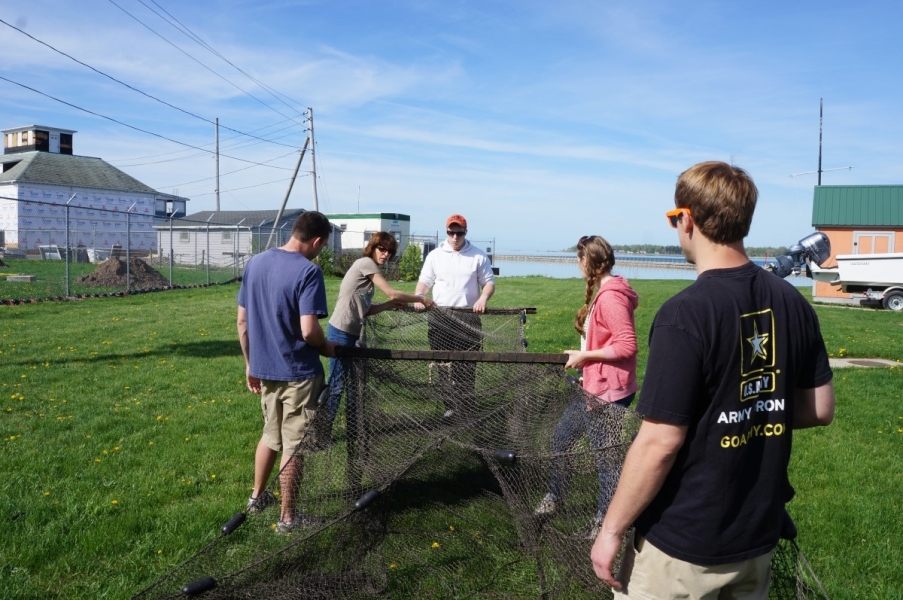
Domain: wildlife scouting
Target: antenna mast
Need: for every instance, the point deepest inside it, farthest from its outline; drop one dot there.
(821, 106)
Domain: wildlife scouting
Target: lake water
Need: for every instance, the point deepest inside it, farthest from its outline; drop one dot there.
(628, 266)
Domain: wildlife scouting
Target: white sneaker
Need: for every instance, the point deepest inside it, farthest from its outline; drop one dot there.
(591, 531)
(258, 504)
(301, 521)
(548, 506)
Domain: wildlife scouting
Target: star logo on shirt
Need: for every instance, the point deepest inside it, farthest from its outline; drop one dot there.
(758, 341)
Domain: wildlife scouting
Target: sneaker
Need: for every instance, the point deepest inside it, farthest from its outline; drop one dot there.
(264, 500)
(301, 521)
(591, 531)
(548, 506)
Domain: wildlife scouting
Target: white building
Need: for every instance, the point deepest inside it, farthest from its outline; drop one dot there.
(357, 229)
(43, 185)
(228, 237)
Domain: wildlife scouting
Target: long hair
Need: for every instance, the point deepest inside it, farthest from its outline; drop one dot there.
(600, 260)
(381, 238)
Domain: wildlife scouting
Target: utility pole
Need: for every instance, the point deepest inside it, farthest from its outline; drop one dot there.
(217, 164)
(288, 192)
(313, 160)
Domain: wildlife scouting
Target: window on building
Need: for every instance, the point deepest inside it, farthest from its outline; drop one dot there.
(41, 140)
(227, 236)
(65, 143)
(184, 236)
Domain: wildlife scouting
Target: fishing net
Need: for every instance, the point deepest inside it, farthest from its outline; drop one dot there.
(461, 466)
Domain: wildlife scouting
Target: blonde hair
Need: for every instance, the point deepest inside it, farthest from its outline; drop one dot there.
(721, 198)
(600, 260)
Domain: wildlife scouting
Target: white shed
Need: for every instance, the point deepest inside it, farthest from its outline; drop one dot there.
(357, 228)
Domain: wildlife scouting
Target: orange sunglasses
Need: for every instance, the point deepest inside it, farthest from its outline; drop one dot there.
(674, 215)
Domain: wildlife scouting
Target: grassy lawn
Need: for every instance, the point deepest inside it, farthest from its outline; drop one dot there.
(50, 277)
(127, 436)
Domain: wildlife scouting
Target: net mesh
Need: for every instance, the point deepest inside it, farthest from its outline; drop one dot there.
(461, 466)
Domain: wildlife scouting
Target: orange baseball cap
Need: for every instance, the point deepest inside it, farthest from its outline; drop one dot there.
(456, 220)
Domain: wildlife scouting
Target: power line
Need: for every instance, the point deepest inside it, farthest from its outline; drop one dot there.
(243, 188)
(118, 122)
(197, 39)
(224, 174)
(125, 162)
(134, 89)
(236, 86)
(128, 160)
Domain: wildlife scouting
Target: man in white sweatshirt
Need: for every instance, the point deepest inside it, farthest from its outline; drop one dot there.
(460, 276)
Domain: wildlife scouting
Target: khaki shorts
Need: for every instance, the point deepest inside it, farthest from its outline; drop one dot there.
(647, 572)
(288, 409)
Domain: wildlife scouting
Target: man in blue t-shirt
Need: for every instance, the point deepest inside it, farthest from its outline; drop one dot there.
(281, 300)
(736, 363)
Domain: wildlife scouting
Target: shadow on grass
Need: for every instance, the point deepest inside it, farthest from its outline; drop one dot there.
(460, 483)
(204, 349)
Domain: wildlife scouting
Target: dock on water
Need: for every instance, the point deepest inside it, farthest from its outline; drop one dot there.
(622, 261)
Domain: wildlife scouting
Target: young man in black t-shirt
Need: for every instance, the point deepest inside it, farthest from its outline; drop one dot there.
(736, 363)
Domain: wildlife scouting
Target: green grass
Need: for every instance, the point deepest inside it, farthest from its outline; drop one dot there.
(127, 436)
(50, 278)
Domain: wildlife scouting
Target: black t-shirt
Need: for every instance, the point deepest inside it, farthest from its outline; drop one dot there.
(725, 356)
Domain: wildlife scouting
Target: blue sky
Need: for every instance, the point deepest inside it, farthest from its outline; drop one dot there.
(539, 121)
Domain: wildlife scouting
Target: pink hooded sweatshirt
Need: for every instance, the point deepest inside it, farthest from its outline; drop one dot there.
(611, 325)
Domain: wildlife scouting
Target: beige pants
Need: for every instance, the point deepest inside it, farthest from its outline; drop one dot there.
(649, 573)
(288, 407)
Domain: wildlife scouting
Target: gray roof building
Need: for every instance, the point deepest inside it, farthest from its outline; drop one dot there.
(247, 218)
(46, 168)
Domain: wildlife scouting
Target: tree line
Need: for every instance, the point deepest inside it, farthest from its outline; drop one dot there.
(656, 249)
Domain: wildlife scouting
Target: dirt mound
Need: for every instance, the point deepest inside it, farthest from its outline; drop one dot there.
(111, 273)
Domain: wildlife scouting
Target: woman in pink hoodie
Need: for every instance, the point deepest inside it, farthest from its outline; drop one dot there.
(607, 360)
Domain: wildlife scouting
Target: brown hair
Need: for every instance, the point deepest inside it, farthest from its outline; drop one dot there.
(721, 199)
(311, 224)
(381, 238)
(600, 260)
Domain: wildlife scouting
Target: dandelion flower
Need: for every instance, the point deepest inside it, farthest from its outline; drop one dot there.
(114, 502)
(451, 527)
(46, 493)
(393, 566)
(435, 544)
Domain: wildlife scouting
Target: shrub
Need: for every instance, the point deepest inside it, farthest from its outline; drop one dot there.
(325, 261)
(410, 264)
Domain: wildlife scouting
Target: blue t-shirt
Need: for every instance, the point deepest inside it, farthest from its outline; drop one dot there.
(279, 287)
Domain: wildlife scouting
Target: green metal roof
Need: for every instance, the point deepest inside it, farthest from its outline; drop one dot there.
(858, 205)
(393, 216)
